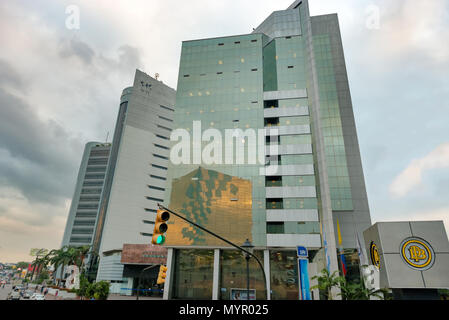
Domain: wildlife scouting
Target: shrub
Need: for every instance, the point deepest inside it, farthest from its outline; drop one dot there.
(84, 283)
(101, 290)
(88, 290)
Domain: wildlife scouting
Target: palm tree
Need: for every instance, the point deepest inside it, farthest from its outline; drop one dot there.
(80, 255)
(358, 291)
(45, 261)
(37, 252)
(327, 281)
(37, 265)
(70, 255)
(59, 258)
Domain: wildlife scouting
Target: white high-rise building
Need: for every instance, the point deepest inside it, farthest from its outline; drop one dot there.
(136, 174)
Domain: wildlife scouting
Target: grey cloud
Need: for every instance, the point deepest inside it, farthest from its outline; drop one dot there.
(9, 76)
(129, 59)
(78, 48)
(38, 158)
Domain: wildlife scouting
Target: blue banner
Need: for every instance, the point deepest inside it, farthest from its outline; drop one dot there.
(304, 279)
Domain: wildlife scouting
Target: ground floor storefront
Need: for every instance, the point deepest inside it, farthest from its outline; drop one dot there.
(223, 274)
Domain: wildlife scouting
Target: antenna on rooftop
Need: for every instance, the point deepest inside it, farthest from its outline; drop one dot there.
(107, 136)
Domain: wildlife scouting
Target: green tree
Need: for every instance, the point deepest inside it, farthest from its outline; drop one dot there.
(22, 265)
(66, 256)
(84, 284)
(358, 291)
(59, 258)
(80, 255)
(326, 282)
(90, 291)
(43, 276)
(101, 290)
(38, 253)
(44, 261)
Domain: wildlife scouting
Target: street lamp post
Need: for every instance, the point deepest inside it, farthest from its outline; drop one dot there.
(248, 246)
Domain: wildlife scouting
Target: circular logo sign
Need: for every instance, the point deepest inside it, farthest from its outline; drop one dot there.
(417, 253)
(374, 253)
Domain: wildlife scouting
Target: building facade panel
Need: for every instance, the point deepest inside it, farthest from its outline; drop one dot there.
(292, 215)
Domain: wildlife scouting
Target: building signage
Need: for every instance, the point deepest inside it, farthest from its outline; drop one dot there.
(414, 254)
(302, 252)
(417, 253)
(374, 254)
(143, 254)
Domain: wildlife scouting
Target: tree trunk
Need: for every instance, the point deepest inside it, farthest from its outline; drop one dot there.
(39, 269)
(32, 273)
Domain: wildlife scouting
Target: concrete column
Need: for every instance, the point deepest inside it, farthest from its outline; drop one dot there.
(266, 266)
(169, 277)
(313, 271)
(216, 275)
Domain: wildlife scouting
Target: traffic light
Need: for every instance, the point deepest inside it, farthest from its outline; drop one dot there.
(162, 274)
(160, 227)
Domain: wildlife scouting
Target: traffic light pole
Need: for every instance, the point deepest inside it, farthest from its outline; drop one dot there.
(222, 239)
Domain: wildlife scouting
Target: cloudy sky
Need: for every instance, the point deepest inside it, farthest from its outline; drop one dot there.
(60, 88)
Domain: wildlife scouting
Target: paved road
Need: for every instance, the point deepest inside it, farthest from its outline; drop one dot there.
(4, 291)
(8, 288)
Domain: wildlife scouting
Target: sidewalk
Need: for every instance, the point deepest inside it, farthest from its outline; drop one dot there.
(52, 297)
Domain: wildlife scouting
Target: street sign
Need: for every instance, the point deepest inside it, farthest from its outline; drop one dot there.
(302, 252)
(303, 261)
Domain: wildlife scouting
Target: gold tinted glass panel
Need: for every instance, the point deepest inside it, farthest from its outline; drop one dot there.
(218, 202)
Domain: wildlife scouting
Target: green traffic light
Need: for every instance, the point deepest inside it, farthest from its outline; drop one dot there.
(160, 239)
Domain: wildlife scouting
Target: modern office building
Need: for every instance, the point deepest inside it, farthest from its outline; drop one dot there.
(83, 212)
(136, 174)
(281, 95)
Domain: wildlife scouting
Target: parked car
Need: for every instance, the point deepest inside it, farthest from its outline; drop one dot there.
(26, 294)
(37, 296)
(14, 295)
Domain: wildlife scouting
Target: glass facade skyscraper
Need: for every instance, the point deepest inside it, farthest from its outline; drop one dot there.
(281, 95)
